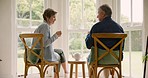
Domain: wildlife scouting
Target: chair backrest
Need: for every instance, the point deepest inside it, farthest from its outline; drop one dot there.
(34, 53)
(109, 50)
(29, 48)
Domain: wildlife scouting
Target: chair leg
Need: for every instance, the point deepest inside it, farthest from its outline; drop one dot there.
(45, 68)
(57, 70)
(95, 72)
(120, 72)
(112, 72)
(42, 72)
(25, 72)
(89, 72)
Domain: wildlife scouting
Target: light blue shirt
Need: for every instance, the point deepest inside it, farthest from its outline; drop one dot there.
(49, 53)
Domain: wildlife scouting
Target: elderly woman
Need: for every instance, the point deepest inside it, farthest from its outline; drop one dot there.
(51, 54)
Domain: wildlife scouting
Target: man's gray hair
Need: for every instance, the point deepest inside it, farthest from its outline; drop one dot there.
(106, 9)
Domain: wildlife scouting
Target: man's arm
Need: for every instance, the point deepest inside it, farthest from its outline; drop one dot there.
(89, 41)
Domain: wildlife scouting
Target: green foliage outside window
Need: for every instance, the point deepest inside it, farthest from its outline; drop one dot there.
(75, 41)
(82, 14)
(29, 12)
(136, 41)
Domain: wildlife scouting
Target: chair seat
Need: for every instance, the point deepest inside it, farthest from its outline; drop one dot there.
(108, 59)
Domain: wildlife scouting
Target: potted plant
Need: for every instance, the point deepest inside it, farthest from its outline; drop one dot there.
(145, 58)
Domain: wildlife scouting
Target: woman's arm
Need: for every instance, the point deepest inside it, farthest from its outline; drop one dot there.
(48, 40)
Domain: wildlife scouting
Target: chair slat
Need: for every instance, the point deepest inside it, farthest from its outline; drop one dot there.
(109, 35)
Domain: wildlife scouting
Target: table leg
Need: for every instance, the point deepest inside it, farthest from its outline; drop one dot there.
(83, 70)
(71, 70)
(76, 71)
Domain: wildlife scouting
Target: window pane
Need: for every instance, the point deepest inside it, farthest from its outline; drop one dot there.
(126, 64)
(37, 11)
(136, 64)
(74, 41)
(29, 12)
(75, 14)
(136, 41)
(82, 14)
(126, 47)
(89, 13)
(23, 13)
(20, 55)
(137, 12)
(77, 45)
(136, 54)
(126, 13)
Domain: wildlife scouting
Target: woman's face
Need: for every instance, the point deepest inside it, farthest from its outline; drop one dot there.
(52, 19)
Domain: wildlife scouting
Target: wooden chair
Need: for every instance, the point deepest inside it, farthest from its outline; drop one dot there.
(43, 64)
(92, 67)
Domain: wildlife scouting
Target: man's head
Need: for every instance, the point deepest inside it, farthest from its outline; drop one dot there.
(104, 11)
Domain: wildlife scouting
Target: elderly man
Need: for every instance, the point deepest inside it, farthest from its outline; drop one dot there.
(105, 25)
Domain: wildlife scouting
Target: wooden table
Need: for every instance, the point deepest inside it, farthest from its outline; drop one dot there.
(76, 64)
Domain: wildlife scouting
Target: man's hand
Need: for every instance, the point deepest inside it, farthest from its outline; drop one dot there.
(88, 32)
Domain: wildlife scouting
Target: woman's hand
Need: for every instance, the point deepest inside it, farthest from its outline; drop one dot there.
(59, 33)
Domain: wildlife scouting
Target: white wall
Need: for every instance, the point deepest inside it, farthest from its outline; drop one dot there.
(8, 52)
(6, 40)
(146, 25)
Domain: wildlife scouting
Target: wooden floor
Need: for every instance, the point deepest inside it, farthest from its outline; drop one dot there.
(37, 76)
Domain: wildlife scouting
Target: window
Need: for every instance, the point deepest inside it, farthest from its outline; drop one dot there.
(82, 16)
(132, 21)
(29, 13)
(29, 16)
